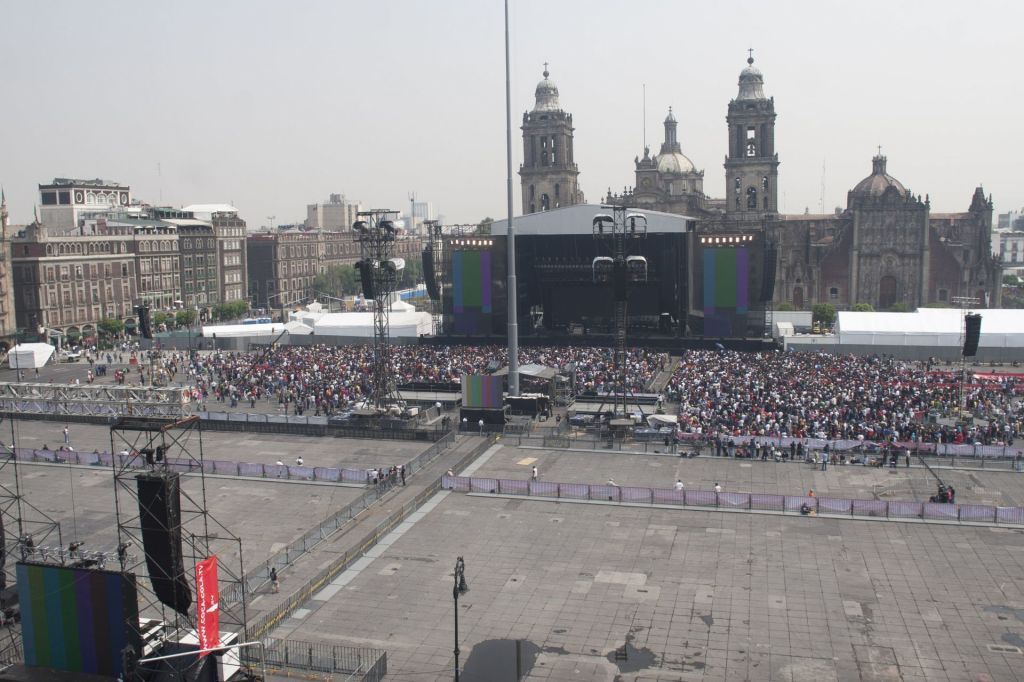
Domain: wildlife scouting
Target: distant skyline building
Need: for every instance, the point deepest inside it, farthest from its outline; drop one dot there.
(8, 326)
(338, 213)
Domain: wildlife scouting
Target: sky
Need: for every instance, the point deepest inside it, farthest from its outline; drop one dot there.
(272, 106)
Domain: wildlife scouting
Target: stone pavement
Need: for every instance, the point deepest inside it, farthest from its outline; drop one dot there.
(685, 595)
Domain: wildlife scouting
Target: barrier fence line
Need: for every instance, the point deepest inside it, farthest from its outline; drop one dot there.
(896, 509)
(301, 595)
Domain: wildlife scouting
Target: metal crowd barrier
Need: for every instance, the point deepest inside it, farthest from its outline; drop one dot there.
(834, 506)
(369, 665)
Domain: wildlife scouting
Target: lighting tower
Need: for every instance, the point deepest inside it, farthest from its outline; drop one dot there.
(376, 233)
(620, 270)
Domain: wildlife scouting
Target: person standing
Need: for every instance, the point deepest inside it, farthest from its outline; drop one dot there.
(534, 474)
(275, 584)
(718, 488)
(67, 436)
(401, 472)
(824, 460)
(679, 484)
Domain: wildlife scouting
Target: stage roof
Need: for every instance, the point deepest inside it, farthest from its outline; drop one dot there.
(578, 219)
(532, 370)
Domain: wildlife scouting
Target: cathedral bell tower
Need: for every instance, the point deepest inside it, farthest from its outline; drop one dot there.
(548, 174)
(752, 167)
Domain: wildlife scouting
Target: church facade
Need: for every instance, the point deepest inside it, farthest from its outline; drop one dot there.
(886, 248)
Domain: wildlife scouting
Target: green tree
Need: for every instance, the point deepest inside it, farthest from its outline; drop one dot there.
(898, 308)
(824, 313)
(1011, 279)
(484, 226)
(337, 280)
(159, 317)
(785, 307)
(109, 327)
(411, 275)
(937, 304)
(863, 308)
(185, 318)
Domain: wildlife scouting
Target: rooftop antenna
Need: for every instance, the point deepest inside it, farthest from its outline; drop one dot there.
(645, 117)
(412, 212)
(821, 199)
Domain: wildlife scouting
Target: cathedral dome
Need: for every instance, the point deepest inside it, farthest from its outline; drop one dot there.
(673, 162)
(751, 82)
(546, 94)
(879, 182)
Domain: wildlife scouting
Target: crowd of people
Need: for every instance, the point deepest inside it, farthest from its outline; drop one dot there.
(817, 395)
(324, 380)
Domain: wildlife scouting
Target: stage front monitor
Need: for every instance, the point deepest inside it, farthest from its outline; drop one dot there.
(726, 291)
(482, 391)
(77, 619)
(472, 304)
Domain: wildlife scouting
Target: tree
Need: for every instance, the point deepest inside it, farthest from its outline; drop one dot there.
(900, 307)
(1011, 279)
(863, 308)
(159, 317)
(936, 304)
(109, 326)
(785, 307)
(824, 313)
(185, 318)
(337, 280)
(484, 226)
(411, 275)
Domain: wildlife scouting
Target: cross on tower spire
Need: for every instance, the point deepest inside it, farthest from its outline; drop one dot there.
(545, 69)
(879, 150)
(750, 55)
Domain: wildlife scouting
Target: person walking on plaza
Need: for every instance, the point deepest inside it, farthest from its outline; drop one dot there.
(534, 474)
(718, 488)
(275, 584)
(67, 436)
(679, 484)
(824, 460)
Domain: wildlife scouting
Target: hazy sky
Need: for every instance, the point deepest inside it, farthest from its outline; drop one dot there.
(274, 105)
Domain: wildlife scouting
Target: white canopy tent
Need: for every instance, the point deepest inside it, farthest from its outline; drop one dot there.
(402, 325)
(29, 355)
(930, 327)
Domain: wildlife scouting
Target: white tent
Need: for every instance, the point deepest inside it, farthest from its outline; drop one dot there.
(407, 325)
(930, 327)
(29, 355)
(227, 331)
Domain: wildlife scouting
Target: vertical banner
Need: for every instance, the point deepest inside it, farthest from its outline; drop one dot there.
(208, 603)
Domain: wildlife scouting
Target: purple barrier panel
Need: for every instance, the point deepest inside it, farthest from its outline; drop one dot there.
(106, 459)
(275, 471)
(252, 470)
(906, 510)
(794, 503)
(182, 464)
(660, 496)
(869, 508)
(91, 458)
(355, 476)
(767, 502)
(327, 474)
(938, 510)
(834, 505)
(1010, 515)
(46, 456)
(539, 488)
(513, 487)
(574, 491)
(734, 500)
(25, 455)
(635, 495)
(701, 498)
(209, 466)
(222, 466)
(301, 473)
(457, 483)
(483, 485)
(605, 492)
(977, 512)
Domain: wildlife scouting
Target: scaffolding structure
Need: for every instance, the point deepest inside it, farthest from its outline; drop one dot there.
(620, 270)
(376, 234)
(143, 448)
(94, 400)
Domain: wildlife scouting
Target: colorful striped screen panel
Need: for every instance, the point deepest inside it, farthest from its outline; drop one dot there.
(76, 619)
(726, 291)
(483, 391)
(471, 291)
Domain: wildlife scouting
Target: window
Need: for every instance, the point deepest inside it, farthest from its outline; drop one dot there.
(736, 185)
(833, 293)
(557, 195)
(545, 202)
(751, 141)
(943, 295)
(752, 198)
(49, 198)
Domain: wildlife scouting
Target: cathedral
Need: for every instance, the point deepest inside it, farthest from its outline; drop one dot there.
(885, 249)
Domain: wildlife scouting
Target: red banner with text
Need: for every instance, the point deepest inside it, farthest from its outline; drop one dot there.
(208, 603)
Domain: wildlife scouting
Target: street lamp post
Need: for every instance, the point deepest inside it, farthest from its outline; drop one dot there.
(460, 588)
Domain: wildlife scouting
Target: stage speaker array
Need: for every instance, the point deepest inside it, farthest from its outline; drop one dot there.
(365, 269)
(144, 324)
(428, 274)
(973, 334)
(160, 519)
(771, 254)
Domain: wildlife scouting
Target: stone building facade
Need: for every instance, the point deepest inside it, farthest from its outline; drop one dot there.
(549, 175)
(886, 248)
(8, 325)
